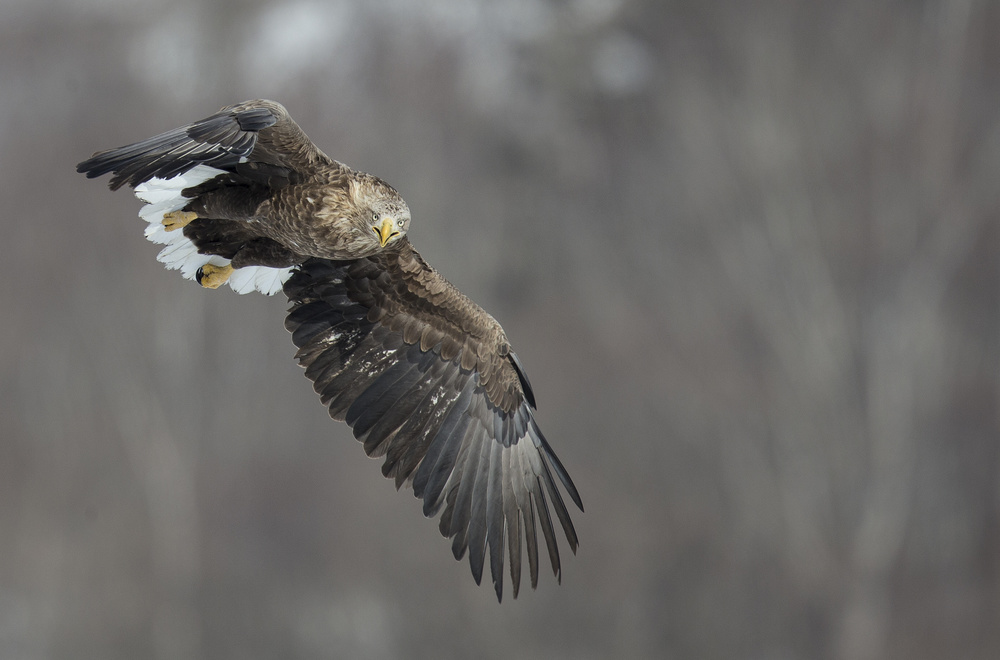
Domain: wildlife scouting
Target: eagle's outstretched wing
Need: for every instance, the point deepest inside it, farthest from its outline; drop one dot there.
(256, 140)
(426, 378)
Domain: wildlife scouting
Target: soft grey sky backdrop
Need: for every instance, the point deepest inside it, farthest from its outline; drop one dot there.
(748, 253)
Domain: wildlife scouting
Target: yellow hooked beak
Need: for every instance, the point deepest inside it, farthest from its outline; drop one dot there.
(386, 231)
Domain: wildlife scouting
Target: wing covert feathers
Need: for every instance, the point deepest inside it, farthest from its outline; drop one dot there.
(426, 379)
(256, 140)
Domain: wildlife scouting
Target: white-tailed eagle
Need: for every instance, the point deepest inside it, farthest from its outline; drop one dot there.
(423, 375)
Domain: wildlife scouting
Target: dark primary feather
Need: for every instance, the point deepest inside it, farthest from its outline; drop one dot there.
(255, 140)
(457, 425)
(218, 141)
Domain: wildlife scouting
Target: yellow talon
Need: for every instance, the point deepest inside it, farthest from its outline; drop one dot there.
(212, 277)
(177, 219)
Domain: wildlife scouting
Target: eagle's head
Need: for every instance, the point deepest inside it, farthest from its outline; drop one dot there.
(381, 215)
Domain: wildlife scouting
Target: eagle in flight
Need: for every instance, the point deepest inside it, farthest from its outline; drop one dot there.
(423, 375)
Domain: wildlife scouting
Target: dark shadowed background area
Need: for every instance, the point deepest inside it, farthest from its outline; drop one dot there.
(748, 254)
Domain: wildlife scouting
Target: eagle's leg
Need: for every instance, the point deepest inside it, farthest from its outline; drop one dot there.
(174, 220)
(211, 276)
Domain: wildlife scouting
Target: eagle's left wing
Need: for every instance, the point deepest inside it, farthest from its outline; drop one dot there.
(427, 379)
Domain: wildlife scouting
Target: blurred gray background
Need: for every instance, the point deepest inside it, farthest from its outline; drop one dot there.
(748, 253)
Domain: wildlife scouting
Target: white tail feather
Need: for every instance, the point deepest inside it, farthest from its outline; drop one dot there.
(179, 253)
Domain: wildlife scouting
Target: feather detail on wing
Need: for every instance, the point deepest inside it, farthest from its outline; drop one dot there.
(256, 140)
(451, 414)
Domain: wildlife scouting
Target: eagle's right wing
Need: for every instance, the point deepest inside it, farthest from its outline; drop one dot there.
(255, 140)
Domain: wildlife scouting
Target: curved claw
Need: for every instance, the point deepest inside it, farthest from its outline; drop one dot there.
(211, 276)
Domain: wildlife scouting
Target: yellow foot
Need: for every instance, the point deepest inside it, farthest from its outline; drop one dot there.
(177, 219)
(212, 277)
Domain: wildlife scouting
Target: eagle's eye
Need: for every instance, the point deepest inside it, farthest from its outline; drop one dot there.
(374, 216)
(399, 222)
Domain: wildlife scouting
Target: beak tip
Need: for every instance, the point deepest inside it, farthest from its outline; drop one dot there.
(385, 231)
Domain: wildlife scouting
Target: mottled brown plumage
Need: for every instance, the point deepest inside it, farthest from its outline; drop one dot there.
(423, 375)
